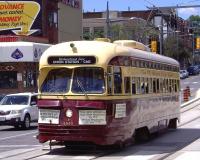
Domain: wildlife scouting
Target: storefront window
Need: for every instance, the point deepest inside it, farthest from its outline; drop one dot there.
(8, 79)
(53, 19)
(30, 79)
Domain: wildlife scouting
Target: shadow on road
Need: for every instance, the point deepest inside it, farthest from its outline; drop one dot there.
(165, 143)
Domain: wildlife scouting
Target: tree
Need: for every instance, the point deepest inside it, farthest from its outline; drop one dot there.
(92, 36)
(194, 18)
(175, 47)
(131, 30)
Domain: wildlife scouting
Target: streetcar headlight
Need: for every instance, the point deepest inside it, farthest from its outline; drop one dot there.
(69, 113)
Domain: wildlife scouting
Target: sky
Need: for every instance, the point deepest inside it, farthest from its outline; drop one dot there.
(123, 5)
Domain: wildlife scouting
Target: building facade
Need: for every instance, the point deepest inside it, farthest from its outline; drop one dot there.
(27, 29)
(143, 26)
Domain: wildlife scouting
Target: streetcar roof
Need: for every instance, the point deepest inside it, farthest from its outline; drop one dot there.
(103, 51)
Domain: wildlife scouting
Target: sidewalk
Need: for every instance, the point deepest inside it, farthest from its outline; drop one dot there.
(197, 94)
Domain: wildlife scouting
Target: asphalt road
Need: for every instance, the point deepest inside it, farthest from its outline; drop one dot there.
(22, 144)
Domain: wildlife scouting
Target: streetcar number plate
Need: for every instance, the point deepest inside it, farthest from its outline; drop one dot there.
(2, 118)
(92, 117)
(49, 116)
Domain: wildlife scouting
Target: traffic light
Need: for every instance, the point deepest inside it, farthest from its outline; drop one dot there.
(154, 46)
(197, 43)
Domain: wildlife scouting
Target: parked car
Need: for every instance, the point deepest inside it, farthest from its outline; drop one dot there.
(19, 110)
(193, 70)
(198, 65)
(184, 74)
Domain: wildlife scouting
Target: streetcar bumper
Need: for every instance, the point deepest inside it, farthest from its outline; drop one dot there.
(90, 135)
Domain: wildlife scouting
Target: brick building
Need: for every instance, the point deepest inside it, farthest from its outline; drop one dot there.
(97, 21)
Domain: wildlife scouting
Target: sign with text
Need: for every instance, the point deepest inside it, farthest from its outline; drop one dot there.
(72, 60)
(18, 17)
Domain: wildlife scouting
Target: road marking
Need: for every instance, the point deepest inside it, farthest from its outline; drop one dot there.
(13, 153)
(20, 135)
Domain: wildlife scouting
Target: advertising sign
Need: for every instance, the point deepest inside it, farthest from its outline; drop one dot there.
(20, 17)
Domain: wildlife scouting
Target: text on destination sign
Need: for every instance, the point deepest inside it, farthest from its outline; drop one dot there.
(72, 60)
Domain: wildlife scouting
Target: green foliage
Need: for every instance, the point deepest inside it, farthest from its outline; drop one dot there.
(90, 36)
(176, 48)
(194, 18)
(138, 32)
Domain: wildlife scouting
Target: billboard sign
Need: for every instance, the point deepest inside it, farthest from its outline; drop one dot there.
(20, 17)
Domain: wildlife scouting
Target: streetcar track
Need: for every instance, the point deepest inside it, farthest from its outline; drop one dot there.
(20, 135)
(9, 156)
(110, 152)
(177, 150)
(107, 153)
(185, 144)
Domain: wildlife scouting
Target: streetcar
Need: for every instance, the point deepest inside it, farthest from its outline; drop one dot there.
(105, 93)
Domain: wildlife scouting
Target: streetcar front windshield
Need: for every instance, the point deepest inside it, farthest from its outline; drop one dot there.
(88, 80)
(57, 81)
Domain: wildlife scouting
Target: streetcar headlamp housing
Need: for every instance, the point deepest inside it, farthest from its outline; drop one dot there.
(69, 113)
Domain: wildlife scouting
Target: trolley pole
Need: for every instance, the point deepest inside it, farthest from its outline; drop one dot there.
(107, 21)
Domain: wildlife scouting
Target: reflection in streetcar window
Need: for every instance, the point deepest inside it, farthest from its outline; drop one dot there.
(57, 81)
(88, 80)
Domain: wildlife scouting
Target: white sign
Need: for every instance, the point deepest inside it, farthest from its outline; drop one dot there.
(92, 117)
(19, 77)
(21, 51)
(120, 110)
(49, 116)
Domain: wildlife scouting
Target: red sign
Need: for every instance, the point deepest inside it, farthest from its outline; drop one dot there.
(8, 38)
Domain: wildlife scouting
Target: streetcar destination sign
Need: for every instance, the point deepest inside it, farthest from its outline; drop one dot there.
(72, 60)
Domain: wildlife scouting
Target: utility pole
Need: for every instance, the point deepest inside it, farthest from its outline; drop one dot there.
(161, 15)
(161, 36)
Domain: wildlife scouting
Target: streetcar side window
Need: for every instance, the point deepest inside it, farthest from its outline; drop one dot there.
(154, 85)
(109, 80)
(146, 84)
(170, 85)
(167, 85)
(127, 86)
(133, 86)
(176, 86)
(142, 85)
(162, 85)
(117, 80)
(158, 85)
(150, 85)
(137, 80)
